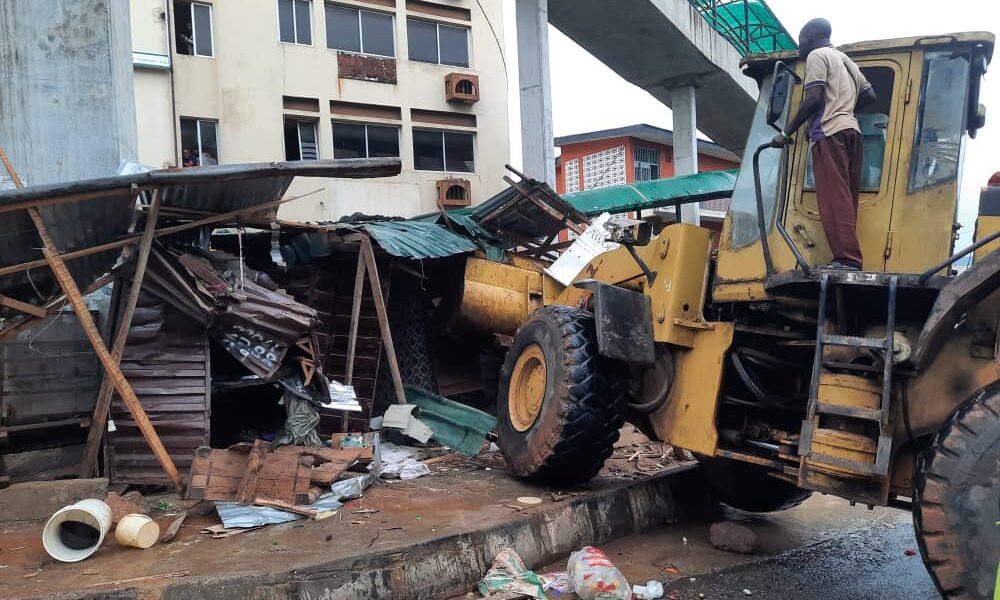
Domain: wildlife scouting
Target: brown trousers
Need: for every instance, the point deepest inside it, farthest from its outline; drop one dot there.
(837, 163)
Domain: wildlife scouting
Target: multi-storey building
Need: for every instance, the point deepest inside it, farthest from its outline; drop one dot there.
(230, 81)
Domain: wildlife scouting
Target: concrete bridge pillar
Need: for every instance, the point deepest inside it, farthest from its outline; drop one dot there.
(538, 152)
(686, 142)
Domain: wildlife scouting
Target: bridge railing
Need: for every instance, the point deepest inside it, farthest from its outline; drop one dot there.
(749, 25)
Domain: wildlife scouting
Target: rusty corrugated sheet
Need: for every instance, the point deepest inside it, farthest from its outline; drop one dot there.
(48, 373)
(167, 362)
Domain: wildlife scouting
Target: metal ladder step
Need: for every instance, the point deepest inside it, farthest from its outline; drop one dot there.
(855, 341)
(868, 414)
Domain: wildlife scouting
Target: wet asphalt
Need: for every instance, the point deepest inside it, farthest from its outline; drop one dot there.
(861, 565)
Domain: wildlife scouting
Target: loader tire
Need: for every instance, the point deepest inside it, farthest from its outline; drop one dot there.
(560, 406)
(749, 487)
(956, 503)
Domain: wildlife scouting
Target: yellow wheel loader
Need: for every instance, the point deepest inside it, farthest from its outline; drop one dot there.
(783, 378)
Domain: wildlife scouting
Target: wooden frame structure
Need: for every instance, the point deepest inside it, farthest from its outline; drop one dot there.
(55, 259)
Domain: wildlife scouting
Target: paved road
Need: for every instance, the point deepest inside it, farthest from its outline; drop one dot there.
(864, 564)
(824, 549)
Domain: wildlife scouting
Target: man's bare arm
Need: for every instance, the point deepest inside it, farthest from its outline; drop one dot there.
(811, 105)
(866, 98)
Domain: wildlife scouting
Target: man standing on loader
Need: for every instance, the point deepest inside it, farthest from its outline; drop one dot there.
(834, 89)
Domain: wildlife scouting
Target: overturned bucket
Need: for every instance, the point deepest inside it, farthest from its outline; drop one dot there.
(76, 531)
(137, 531)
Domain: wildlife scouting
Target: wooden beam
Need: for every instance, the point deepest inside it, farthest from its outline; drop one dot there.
(352, 336)
(88, 466)
(247, 491)
(30, 309)
(122, 386)
(162, 232)
(383, 317)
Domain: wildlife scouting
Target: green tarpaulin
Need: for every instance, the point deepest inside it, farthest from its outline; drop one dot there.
(645, 195)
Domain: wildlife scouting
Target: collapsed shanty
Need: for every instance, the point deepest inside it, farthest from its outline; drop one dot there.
(243, 327)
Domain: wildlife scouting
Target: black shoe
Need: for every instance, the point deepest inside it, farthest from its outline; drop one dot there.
(839, 266)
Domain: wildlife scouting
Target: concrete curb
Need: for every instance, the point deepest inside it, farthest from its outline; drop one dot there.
(442, 567)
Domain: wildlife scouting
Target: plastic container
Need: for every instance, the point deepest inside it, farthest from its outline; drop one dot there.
(137, 531)
(76, 531)
(653, 590)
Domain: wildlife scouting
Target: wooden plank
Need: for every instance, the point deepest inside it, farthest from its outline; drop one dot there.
(88, 466)
(352, 337)
(31, 309)
(217, 475)
(248, 486)
(318, 515)
(383, 317)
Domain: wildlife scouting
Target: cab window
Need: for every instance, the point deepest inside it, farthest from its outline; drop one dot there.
(874, 123)
(941, 120)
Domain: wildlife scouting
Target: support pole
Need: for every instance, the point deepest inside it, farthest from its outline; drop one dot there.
(352, 338)
(383, 317)
(538, 151)
(103, 406)
(686, 143)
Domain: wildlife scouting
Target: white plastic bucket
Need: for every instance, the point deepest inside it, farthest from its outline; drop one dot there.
(137, 531)
(76, 531)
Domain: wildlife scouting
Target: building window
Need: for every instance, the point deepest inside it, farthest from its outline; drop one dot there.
(572, 172)
(295, 21)
(647, 163)
(438, 43)
(193, 28)
(362, 140)
(199, 142)
(300, 139)
(443, 151)
(604, 168)
(360, 31)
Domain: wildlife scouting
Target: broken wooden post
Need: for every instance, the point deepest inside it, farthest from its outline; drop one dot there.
(111, 367)
(98, 422)
(352, 339)
(383, 318)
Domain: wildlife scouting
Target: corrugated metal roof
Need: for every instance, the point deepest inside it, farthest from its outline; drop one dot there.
(528, 209)
(646, 195)
(106, 215)
(416, 239)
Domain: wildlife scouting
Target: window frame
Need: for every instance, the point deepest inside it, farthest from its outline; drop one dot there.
(194, 31)
(444, 150)
(295, 23)
(361, 30)
(638, 162)
(198, 122)
(299, 121)
(399, 136)
(437, 39)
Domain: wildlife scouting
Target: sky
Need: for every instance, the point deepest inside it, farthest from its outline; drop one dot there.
(595, 101)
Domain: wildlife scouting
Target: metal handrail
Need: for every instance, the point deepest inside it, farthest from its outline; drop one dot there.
(951, 259)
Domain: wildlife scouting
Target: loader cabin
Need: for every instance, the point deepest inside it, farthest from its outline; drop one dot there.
(913, 136)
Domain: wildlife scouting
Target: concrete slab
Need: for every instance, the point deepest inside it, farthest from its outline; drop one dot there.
(432, 537)
(660, 45)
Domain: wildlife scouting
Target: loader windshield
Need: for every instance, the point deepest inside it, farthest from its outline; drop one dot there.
(743, 210)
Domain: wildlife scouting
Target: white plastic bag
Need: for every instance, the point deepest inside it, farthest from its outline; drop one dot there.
(595, 577)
